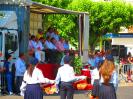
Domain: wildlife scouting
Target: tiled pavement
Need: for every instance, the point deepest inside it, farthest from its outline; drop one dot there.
(124, 92)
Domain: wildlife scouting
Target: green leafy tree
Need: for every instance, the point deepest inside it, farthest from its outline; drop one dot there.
(105, 17)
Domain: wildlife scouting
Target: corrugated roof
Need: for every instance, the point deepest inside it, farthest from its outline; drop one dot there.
(46, 9)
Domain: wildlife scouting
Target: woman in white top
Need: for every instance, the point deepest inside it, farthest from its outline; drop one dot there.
(33, 77)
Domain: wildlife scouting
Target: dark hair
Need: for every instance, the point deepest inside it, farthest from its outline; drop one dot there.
(7, 56)
(21, 54)
(67, 59)
(30, 69)
(32, 36)
(48, 37)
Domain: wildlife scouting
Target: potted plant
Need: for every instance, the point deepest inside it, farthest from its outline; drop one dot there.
(77, 64)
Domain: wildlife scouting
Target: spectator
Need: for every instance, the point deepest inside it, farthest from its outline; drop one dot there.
(20, 70)
(91, 61)
(40, 34)
(98, 59)
(66, 45)
(59, 45)
(50, 33)
(31, 57)
(32, 43)
(49, 44)
(50, 51)
(56, 35)
(39, 53)
(8, 71)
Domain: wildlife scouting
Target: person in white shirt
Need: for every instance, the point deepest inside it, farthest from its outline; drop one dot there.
(33, 77)
(50, 50)
(32, 43)
(65, 78)
(39, 53)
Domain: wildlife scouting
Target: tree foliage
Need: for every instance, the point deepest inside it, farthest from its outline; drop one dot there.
(105, 17)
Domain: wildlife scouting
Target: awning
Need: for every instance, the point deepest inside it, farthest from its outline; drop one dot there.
(122, 41)
(42, 9)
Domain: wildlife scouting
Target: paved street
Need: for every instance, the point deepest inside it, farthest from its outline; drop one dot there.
(122, 93)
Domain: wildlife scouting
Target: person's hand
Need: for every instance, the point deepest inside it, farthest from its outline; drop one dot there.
(84, 77)
(52, 81)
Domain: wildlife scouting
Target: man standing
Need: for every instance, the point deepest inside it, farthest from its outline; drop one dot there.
(65, 77)
(20, 70)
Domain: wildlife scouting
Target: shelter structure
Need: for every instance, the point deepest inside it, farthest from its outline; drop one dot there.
(24, 8)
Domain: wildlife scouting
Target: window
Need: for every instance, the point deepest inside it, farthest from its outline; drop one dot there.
(11, 42)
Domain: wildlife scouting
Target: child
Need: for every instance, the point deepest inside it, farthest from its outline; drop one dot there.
(107, 87)
(8, 70)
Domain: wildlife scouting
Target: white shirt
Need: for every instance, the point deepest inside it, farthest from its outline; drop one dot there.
(94, 75)
(37, 77)
(38, 55)
(49, 45)
(66, 74)
(32, 44)
(40, 45)
(51, 35)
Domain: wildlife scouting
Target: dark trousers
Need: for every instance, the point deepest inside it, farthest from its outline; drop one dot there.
(19, 80)
(66, 90)
(9, 82)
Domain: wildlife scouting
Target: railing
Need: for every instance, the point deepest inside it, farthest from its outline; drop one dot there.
(126, 72)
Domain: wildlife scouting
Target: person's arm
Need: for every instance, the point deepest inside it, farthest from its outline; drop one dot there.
(75, 78)
(58, 77)
(37, 55)
(114, 79)
(42, 79)
(57, 81)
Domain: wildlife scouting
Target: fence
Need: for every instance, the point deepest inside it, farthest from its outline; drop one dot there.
(126, 72)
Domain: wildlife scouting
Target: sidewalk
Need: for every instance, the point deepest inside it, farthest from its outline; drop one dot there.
(123, 84)
(122, 93)
(124, 90)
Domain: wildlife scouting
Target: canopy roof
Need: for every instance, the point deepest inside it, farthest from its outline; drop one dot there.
(46, 9)
(123, 39)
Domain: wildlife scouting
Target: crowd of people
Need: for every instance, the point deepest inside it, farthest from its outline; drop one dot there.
(46, 49)
(40, 50)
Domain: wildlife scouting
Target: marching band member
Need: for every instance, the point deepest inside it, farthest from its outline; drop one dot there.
(33, 77)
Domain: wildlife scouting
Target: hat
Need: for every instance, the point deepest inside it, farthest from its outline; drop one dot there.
(67, 59)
